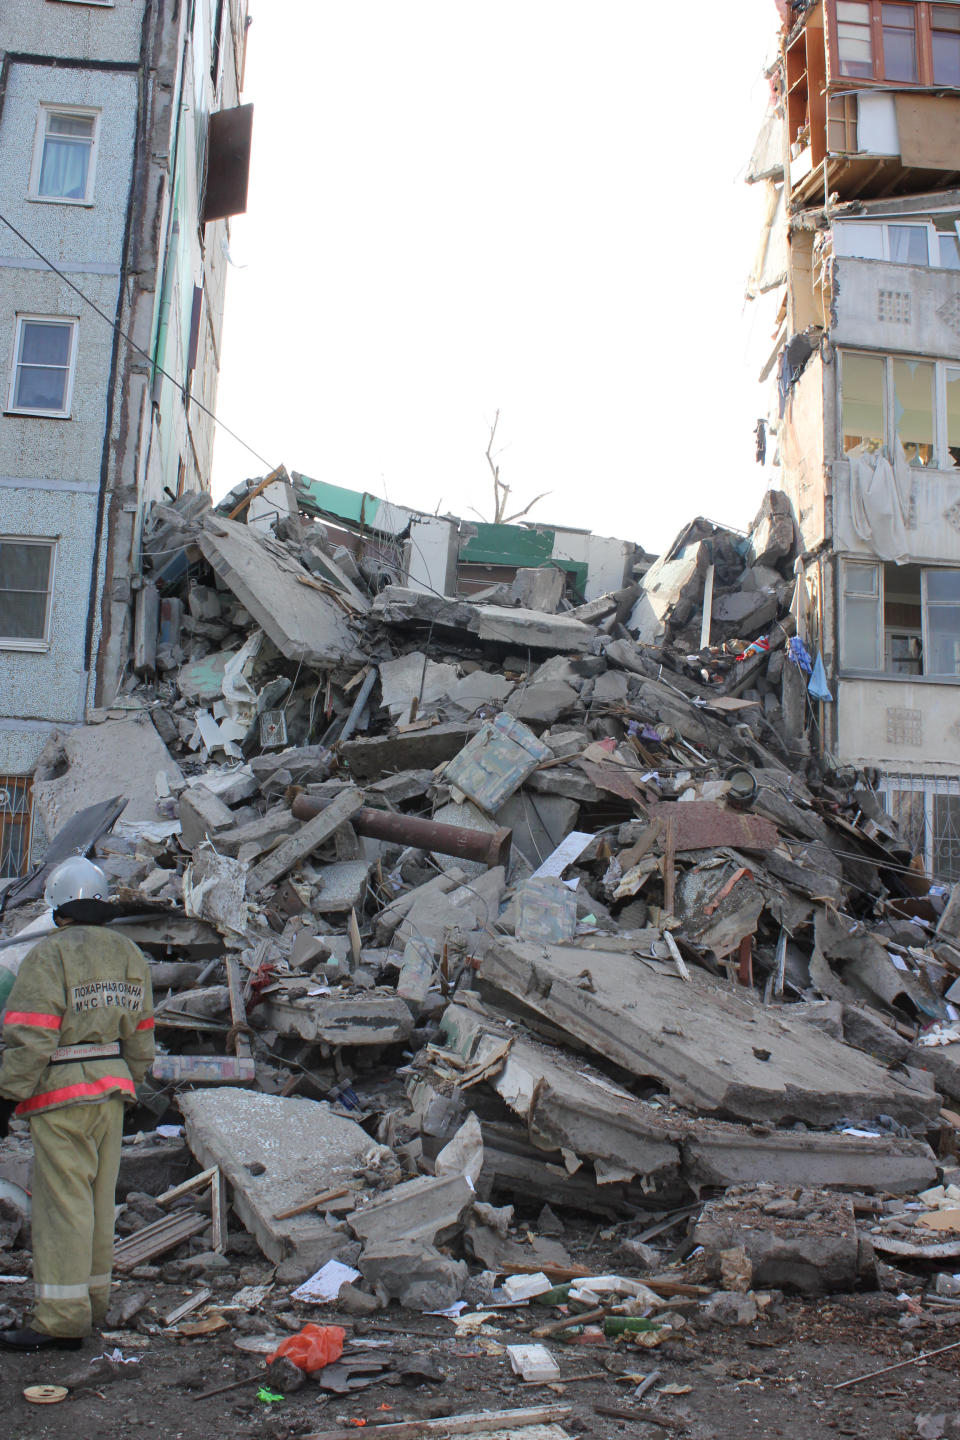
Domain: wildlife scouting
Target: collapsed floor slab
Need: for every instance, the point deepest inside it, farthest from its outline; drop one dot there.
(275, 1153)
(713, 1049)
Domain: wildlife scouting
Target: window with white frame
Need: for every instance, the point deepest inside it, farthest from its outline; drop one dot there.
(927, 811)
(26, 591)
(65, 155)
(45, 350)
(890, 398)
(900, 619)
(902, 242)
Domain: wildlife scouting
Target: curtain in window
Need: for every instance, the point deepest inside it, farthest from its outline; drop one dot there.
(63, 172)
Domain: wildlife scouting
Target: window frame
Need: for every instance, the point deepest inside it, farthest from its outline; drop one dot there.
(12, 408)
(16, 787)
(75, 112)
(883, 631)
(35, 644)
(923, 34)
(942, 460)
(886, 222)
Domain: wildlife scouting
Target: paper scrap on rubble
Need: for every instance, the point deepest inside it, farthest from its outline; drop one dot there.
(169, 1132)
(451, 1312)
(324, 1286)
(569, 850)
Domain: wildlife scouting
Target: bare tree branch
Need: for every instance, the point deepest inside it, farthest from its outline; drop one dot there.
(501, 490)
(508, 519)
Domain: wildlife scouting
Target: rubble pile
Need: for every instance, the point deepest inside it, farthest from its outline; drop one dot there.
(459, 908)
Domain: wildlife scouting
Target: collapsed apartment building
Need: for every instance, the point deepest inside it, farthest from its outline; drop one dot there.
(858, 272)
(458, 906)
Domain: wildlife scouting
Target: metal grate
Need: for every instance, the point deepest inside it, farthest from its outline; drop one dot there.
(927, 810)
(16, 813)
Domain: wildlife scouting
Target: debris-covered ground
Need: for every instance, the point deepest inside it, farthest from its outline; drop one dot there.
(515, 958)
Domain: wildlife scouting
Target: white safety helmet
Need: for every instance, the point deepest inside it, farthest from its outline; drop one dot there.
(75, 879)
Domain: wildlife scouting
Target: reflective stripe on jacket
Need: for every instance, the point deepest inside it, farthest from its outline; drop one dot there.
(86, 985)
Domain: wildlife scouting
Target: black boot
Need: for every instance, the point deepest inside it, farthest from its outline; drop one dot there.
(27, 1339)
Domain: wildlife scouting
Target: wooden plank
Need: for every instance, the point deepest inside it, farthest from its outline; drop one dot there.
(311, 834)
(312, 1203)
(194, 1303)
(669, 868)
(238, 1011)
(454, 1424)
(154, 1239)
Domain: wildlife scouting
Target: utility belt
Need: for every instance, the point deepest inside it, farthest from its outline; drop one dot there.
(72, 1054)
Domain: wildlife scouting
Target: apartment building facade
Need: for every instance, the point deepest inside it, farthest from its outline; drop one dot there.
(123, 151)
(859, 266)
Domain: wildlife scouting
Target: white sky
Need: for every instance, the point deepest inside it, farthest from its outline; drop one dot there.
(530, 205)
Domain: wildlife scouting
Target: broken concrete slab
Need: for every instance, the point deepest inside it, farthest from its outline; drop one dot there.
(715, 1152)
(275, 1153)
(544, 704)
(477, 690)
(664, 586)
(428, 747)
(413, 685)
(342, 886)
(746, 610)
(305, 840)
(712, 1048)
(539, 589)
(800, 1239)
(531, 629)
(773, 532)
(303, 622)
(93, 762)
(415, 1274)
(427, 1209)
(567, 1105)
(202, 816)
(213, 890)
(467, 907)
(520, 628)
(539, 823)
(369, 1017)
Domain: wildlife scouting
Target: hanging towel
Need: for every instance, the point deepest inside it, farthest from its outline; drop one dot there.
(818, 686)
(799, 655)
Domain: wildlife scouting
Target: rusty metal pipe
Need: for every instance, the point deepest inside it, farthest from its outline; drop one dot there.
(487, 848)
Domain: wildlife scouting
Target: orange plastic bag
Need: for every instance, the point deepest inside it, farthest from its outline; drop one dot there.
(314, 1347)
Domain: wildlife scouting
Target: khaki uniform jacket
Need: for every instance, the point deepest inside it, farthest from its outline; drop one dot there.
(86, 985)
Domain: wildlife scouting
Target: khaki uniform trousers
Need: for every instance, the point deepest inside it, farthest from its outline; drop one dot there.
(76, 1160)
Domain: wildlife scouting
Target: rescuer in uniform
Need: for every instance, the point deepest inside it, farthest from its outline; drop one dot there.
(79, 1036)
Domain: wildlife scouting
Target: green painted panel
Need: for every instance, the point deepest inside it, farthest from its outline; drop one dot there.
(508, 545)
(345, 504)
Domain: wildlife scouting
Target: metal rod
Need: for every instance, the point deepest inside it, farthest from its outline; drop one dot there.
(485, 847)
(353, 719)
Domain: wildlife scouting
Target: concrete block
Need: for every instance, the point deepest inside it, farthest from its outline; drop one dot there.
(365, 1018)
(538, 823)
(543, 704)
(538, 589)
(275, 1153)
(202, 815)
(415, 1274)
(415, 679)
(302, 622)
(426, 1209)
(343, 886)
(801, 1239)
